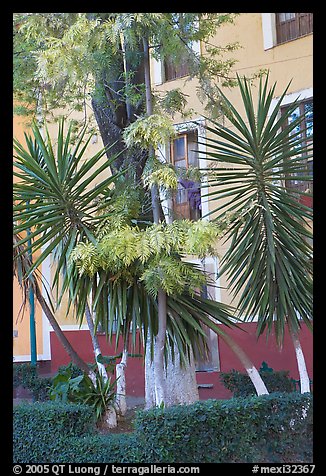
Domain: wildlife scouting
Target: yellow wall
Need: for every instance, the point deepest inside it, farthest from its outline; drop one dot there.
(291, 61)
(21, 344)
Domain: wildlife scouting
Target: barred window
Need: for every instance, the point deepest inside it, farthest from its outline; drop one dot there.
(290, 26)
(305, 108)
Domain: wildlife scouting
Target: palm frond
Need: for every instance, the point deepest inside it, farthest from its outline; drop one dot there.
(268, 263)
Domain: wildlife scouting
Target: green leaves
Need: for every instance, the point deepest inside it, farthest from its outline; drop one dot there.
(80, 389)
(149, 131)
(52, 196)
(269, 260)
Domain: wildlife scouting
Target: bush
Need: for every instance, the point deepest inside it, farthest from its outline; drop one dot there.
(241, 385)
(26, 375)
(41, 430)
(109, 448)
(268, 428)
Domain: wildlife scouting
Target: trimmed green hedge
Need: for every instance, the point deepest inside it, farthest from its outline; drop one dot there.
(42, 429)
(268, 428)
(241, 385)
(109, 448)
(271, 428)
(27, 376)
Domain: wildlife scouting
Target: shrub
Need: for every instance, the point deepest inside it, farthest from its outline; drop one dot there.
(109, 448)
(268, 428)
(41, 429)
(26, 375)
(241, 385)
(80, 389)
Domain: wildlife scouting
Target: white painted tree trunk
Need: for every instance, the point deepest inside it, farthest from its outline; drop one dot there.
(150, 400)
(304, 377)
(110, 416)
(95, 343)
(121, 402)
(180, 385)
(251, 370)
(109, 419)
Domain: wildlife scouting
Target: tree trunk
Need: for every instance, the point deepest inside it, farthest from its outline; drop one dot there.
(180, 384)
(161, 295)
(150, 400)
(109, 419)
(121, 382)
(95, 343)
(182, 387)
(247, 363)
(304, 377)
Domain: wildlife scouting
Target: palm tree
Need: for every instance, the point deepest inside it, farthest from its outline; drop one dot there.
(52, 199)
(268, 263)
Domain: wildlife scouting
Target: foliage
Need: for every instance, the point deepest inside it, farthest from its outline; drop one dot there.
(149, 131)
(269, 428)
(164, 176)
(128, 266)
(273, 428)
(45, 426)
(64, 213)
(122, 245)
(51, 195)
(241, 385)
(27, 376)
(268, 262)
(80, 389)
(63, 57)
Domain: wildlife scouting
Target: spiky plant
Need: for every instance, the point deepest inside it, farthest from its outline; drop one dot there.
(268, 262)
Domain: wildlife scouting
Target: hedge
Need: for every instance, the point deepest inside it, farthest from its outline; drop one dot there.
(241, 385)
(108, 448)
(26, 375)
(270, 428)
(42, 429)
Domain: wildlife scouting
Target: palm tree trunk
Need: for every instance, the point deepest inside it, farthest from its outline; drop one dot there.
(121, 381)
(251, 370)
(109, 419)
(304, 377)
(96, 345)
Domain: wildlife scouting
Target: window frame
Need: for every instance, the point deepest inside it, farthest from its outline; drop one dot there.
(292, 29)
(307, 184)
(269, 31)
(214, 364)
(184, 209)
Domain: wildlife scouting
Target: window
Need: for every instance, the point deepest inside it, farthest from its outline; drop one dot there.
(174, 70)
(187, 198)
(305, 108)
(290, 26)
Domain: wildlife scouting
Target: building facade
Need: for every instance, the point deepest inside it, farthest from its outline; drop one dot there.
(282, 44)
